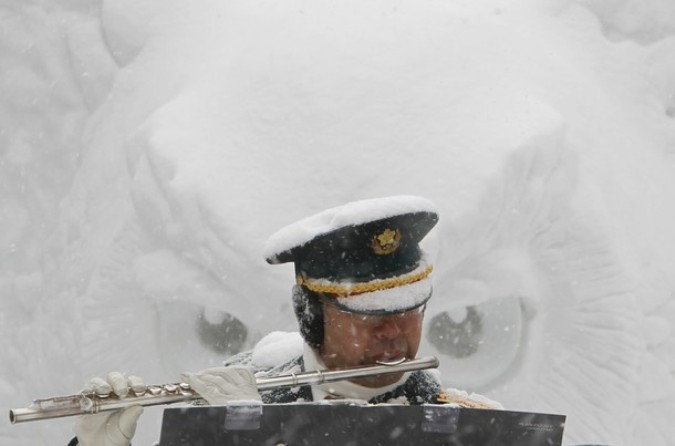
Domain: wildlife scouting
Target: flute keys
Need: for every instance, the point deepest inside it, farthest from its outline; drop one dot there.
(154, 390)
(99, 387)
(86, 404)
(137, 385)
(171, 388)
(185, 389)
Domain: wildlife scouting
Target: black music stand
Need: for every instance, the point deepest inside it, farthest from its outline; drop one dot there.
(354, 425)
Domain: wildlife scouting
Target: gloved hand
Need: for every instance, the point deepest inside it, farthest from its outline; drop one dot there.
(220, 385)
(462, 399)
(114, 428)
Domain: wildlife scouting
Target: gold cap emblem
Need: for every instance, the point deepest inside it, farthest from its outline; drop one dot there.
(386, 242)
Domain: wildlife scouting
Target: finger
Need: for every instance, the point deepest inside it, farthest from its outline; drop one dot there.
(206, 383)
(213, 380)
(246, 375)
(235, 375)
(118, 383)
(209, 386)
(136, 384)
(226, 369)
(186, 377)
(99, 386)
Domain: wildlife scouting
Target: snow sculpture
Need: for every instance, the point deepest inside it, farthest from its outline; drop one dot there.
(183, 136)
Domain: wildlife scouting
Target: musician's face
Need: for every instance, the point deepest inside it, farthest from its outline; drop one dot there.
(352, 339)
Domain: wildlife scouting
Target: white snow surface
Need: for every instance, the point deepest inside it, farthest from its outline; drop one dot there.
(148, 148)
(276, 348)
(350, 214)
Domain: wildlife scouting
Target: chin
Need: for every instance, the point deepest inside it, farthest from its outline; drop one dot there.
(378, 381)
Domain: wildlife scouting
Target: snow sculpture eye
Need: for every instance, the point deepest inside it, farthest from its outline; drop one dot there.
(221, 332)
(193, 336)
(458, 334)
(476, 344)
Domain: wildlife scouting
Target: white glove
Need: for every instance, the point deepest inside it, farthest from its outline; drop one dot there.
(462, 399)
(220, 385)
(115, 428)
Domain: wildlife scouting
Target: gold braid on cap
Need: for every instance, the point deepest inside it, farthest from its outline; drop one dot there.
(345, 289)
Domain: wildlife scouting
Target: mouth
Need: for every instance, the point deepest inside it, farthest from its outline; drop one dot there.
(396, 362)
(390, 357)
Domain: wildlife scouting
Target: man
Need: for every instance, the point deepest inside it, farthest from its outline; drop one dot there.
(362, 282)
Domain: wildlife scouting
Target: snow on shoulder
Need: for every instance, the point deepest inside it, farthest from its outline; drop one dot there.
(354, 213)
(278, 347)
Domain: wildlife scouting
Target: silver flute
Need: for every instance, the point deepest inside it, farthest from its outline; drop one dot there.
(91, 403)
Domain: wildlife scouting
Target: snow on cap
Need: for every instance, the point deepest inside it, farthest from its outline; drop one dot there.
(361, 253)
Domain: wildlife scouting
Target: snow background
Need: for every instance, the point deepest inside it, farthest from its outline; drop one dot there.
(148, 148)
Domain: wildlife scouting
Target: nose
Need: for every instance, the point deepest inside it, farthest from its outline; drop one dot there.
(388, 329)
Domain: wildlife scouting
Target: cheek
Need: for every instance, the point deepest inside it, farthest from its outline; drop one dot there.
(341, 332)
(410, 324)
(413, 332)
(357, 336)
(415, 337)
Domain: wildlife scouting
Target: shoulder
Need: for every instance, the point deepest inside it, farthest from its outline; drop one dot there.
(422, 387)
(275, 353)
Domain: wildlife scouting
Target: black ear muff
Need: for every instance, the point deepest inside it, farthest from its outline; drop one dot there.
(309, 312)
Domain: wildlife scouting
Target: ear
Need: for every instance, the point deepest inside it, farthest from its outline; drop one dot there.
(309, 312)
